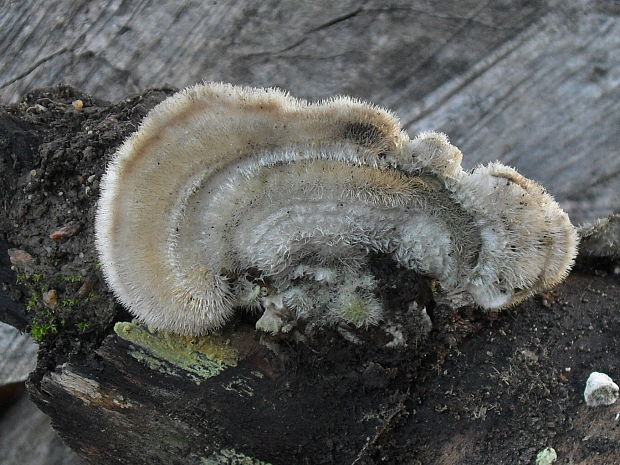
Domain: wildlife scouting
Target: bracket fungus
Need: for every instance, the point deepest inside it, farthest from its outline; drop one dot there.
(232, 196)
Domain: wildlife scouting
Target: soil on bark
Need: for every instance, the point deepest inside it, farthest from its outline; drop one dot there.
(483, 389)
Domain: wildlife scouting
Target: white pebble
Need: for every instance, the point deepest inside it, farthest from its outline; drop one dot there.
(546, 456)
(600, 390)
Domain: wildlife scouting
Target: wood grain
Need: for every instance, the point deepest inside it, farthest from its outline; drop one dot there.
(532, 83)
(19, 355)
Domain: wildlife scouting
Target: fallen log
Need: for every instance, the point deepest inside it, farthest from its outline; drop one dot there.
(432, 384)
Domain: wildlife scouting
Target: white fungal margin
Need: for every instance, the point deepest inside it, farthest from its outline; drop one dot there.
(231, 196)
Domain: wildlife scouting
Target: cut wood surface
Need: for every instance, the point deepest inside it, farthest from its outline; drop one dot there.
(26, 438)
(532, 83)
(18, 355)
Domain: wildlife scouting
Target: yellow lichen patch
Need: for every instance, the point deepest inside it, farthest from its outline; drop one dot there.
(205, 356)
(155, 363)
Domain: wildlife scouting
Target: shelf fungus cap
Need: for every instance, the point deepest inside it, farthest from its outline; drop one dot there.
(232, 196)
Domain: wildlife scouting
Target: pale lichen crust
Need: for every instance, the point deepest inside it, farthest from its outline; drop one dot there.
(202, 358)
(230, 456)
(231, 197)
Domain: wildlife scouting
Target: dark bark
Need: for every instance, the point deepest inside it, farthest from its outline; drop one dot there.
(480, 389)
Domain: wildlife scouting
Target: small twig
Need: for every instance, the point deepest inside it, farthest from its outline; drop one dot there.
(33, 67)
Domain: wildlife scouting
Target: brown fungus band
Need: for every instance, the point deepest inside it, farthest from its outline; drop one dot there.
(224, 189)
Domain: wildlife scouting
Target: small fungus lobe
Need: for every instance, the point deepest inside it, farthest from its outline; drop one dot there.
(232, 197)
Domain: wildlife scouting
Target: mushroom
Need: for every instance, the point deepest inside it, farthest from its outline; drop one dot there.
(232, 196)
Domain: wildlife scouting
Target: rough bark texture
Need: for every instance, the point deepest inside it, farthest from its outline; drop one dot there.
(501, 395)
(480, 389)
(532, 83)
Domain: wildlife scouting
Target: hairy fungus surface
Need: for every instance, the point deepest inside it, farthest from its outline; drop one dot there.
(232, 196)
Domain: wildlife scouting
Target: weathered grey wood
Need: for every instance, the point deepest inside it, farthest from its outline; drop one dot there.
(18, 355)
(369, 49)
(534, 83)
(547, 102)
(26, 438)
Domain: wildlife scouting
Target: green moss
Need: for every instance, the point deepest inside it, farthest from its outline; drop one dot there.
(231, 457)
(83, 325)
(20, 278)
(72, 278)
(203, 357)
(40, 331)
(69, 302)
(33, 300)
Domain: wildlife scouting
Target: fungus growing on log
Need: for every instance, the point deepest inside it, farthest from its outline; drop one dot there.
(232, 197)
